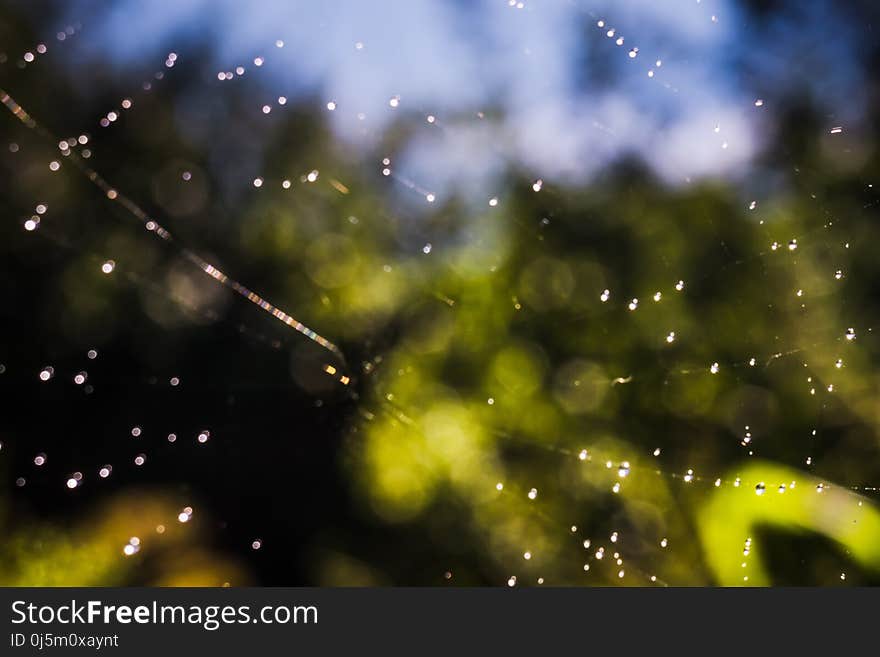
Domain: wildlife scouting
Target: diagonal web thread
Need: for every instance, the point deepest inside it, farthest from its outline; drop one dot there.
(154, 227)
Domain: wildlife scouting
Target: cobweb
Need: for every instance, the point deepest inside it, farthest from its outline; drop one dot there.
(619, 336)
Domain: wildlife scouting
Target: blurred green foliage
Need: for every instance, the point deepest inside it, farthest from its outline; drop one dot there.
(485, 367)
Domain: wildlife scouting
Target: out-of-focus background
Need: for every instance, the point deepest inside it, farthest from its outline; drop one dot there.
(439, 293)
